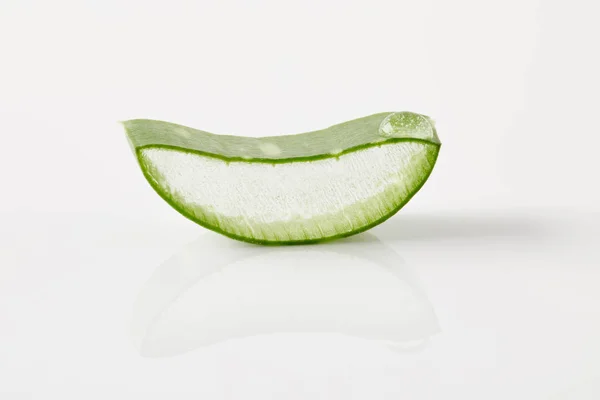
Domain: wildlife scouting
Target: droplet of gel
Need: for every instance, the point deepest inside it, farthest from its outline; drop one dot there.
(407, 124)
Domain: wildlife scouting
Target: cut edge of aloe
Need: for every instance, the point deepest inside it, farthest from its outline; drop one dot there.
(366, 132)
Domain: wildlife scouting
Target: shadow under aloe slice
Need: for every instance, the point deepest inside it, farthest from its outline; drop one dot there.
(289, 189)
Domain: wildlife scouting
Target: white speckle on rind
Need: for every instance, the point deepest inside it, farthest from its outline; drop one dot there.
(182, 132)
(270, 149)
(336, 151)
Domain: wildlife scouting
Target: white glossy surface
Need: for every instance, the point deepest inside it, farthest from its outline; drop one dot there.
(479, 305)
(489, 286)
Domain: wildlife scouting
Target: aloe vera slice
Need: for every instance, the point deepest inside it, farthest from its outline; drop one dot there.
(289, 189)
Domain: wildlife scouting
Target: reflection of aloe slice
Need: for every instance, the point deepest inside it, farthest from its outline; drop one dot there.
(215, 290)
(289, 189)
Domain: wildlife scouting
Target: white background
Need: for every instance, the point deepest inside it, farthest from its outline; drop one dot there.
(100, 297)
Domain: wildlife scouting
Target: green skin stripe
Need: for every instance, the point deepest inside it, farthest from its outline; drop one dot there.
(332, 142)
